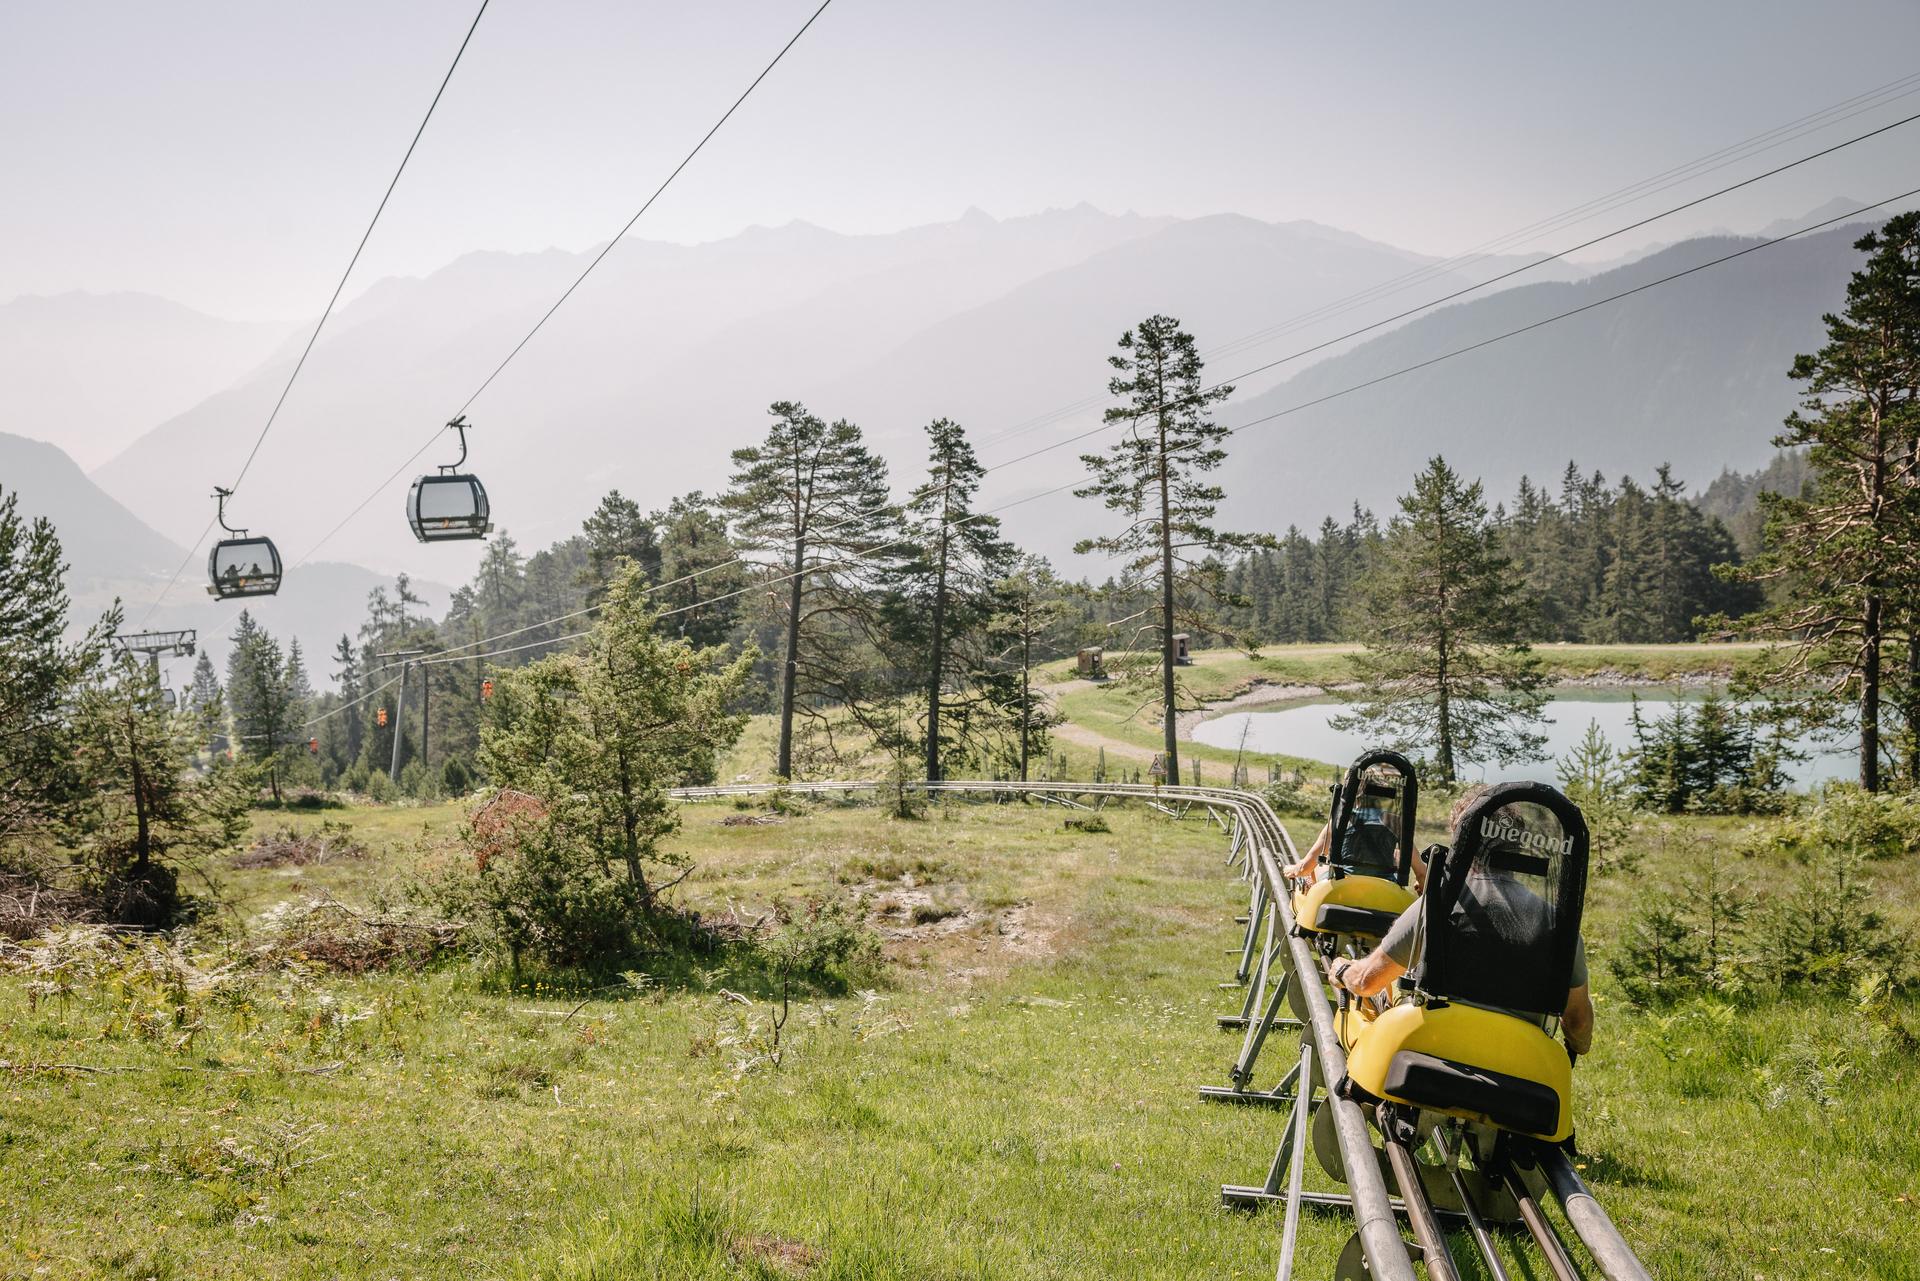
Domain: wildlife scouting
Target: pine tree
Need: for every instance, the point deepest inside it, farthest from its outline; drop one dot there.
(346, 731)
(814, 498)
(39, 670)
(1155, 477)
(600, 736)
(265, 714)
(701, 581)
(1848, 545)
(617, 530)
(949, 590)
(1030, 617)
(1446, 667)
(208, 704)
(1625, 610)
(148, 815)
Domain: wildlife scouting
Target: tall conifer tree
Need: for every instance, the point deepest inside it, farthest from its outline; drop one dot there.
(1847, 546)
(1446, 669)
(1155, 476)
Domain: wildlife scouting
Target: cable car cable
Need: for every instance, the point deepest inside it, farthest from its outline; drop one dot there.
(331, 302)
(597, 259)
(359, 248)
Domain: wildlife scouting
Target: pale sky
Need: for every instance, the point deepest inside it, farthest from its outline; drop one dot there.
(227, 155)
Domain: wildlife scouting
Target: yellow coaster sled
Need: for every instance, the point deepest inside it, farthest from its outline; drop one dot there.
(1464, 1061)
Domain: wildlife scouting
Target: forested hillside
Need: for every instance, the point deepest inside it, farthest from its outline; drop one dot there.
(1693, 373)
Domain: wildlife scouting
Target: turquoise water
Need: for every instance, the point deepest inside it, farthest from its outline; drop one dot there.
(1302, 730)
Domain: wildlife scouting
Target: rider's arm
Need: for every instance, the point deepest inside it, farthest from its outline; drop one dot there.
(1576, 1023)
(1370, 975)
(1309, 865)
(1375, 972)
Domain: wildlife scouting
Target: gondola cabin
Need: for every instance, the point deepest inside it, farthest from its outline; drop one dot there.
(1369, 861)
(450, 505)
(1499, 931)
(240, 565)
(243, 567)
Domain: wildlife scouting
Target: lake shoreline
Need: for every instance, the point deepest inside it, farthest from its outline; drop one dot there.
(1296, 720)
(1276, 695)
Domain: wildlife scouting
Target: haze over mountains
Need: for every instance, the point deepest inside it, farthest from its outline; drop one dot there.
(92, 372)
(666, 359)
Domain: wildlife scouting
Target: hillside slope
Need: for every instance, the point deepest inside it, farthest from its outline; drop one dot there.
(1693, 373)
(103, 541)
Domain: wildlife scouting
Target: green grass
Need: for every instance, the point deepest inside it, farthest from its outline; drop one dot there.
(1015, 1102)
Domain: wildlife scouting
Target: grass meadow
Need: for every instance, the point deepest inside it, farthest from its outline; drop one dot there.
(1014, 1098)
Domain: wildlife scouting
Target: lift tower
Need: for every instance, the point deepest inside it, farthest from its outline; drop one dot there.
(178, 644)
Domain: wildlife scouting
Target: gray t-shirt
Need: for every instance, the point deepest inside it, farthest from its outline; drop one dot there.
(1402, 945)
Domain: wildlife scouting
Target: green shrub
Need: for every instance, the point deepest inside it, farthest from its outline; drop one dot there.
(1298, 799)
(1087, 823)
(1690, 942)
(1594, 776)
(547, 897)
(825, 941)
(1874, 825)
(417, 782)
(1829, 933)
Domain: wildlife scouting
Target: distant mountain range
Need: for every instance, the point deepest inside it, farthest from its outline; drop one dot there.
(1693, 373)
(666, 359)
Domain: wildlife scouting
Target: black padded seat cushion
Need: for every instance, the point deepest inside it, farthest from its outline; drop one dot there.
(1512, 1102)
(1338, 918)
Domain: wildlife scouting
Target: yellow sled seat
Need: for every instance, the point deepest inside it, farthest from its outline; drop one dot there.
(1362, 905)
(1465, 1061)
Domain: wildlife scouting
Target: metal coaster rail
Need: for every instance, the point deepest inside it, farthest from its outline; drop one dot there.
(1272, 955)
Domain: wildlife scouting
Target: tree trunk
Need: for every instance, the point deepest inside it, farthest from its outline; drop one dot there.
(1870, 696)
(785, 767)
(939, 649)
(1444, 691)
(142, 821)
(1026, 694)
(426, 717)
(1913, 709)
(635, 875)
(1170, 721)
